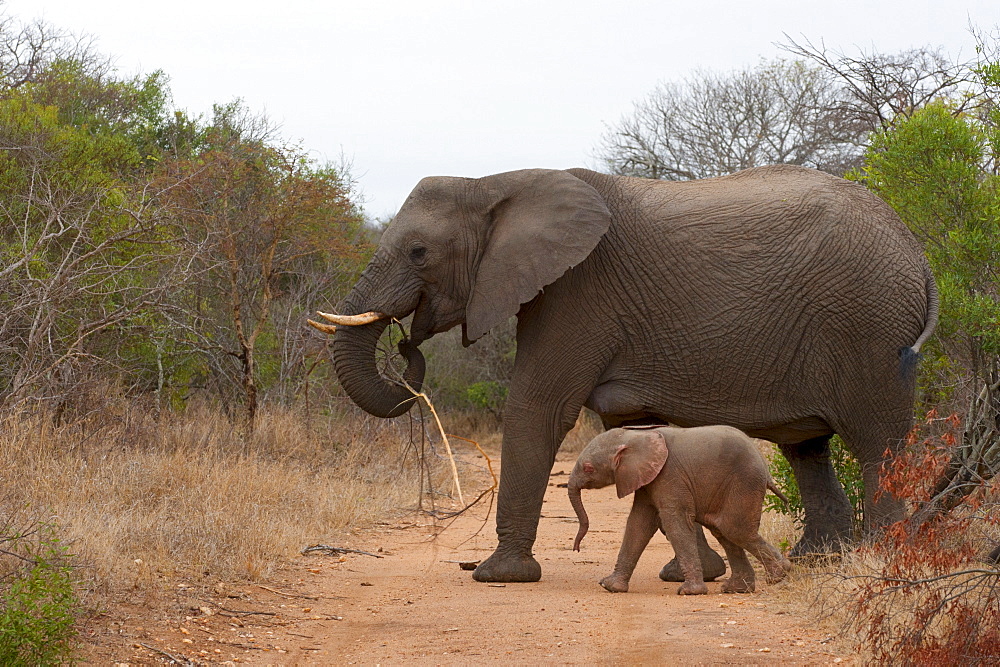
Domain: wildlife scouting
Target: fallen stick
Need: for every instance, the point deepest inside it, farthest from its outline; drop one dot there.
(336, 550)
(242, 613)
(288, 595)
(174, 658)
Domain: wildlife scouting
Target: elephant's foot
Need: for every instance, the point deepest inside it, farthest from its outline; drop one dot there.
(615, 583)
(507, 568)
(739, 584)
(820, 546)
(693, 588)
(712, 567)
(775, 572)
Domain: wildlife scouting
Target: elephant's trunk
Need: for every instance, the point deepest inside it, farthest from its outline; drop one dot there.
(576, 501)
(354, 363)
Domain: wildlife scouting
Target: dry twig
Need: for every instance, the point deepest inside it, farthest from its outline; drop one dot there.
(325, 548)
(289, 595)
(174, 658)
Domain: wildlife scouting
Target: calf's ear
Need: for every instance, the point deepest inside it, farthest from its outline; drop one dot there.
(638, 461)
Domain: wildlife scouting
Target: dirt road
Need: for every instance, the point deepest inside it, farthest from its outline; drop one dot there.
(416, 606)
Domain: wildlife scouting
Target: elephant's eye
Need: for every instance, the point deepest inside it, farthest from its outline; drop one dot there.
(418, 254)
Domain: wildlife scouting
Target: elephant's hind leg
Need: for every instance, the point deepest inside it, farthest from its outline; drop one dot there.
(775, 565)
(742, 578)
(829, 516)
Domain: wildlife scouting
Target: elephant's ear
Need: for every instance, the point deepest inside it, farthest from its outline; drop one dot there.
(541, 223)
(638, 461)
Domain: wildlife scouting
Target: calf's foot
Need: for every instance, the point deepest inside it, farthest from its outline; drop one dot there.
(615, 583)
(738, 584)
(712, 567)
(693, 588)
(777, 571)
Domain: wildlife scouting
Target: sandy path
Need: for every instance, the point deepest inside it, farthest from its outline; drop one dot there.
(413, 606)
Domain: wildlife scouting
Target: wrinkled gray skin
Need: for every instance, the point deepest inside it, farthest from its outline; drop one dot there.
(682, 477)
(779, 300)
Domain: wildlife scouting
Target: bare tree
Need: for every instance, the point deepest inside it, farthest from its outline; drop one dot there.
(80, 261)
(712, 124)
(27, 50)
(880, 87)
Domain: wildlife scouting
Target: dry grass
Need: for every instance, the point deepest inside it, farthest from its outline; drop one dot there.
(487, 431)
(145, 498)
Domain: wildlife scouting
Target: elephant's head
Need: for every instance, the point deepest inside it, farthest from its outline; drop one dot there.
(627, 458)
(461, 251)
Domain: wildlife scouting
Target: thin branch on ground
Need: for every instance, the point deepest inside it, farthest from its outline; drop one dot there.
(171, 656)
(336, 550)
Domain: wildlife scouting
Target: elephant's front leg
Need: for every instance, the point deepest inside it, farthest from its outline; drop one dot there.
(534, 427)
(679, 527)
(712, 565)
(523, 480)
(642, 523)
(553, 376)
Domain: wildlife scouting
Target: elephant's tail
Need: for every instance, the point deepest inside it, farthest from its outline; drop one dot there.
(773, 488)
(909, 356)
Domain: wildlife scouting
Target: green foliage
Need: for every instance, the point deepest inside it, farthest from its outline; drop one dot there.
(488, 395)
(848, 473)
(143, 246)
(932, 168)
(38, 602)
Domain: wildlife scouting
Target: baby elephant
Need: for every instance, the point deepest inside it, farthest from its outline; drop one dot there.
(711, 475)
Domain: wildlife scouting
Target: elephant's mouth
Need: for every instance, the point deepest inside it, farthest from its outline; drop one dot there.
(354, 357)
(421, 328)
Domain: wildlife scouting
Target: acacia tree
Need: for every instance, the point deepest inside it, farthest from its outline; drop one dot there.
(266, 219)
(27, 51)
(713, 124)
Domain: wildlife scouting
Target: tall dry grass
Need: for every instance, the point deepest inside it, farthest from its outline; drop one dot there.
(144, 498)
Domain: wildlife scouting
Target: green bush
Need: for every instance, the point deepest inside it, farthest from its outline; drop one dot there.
(488, 395)
(38, 602)
(844, 464)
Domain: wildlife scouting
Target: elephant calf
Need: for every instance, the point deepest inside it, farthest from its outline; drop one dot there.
(709, 475)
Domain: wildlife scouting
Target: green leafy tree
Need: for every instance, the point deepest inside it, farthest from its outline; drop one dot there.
(82, 247)
(265, 221)
(930, 168)
(937, 168)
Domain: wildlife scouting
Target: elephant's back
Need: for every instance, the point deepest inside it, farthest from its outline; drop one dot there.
(758, 296)
(717, 455)
(785, 245)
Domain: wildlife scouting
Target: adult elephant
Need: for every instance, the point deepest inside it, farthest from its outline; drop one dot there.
(780, 300)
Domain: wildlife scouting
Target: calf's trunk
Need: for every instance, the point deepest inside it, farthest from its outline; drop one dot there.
(581, 514)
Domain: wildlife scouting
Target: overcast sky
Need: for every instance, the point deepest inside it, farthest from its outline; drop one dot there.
(412, 88)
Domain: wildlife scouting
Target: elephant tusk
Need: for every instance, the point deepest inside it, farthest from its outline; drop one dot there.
(353, 320)
(325, 328)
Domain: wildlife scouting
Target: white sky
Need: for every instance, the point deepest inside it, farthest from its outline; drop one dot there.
(413, 88)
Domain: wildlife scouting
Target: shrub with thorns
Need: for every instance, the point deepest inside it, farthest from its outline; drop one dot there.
(924, 594)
